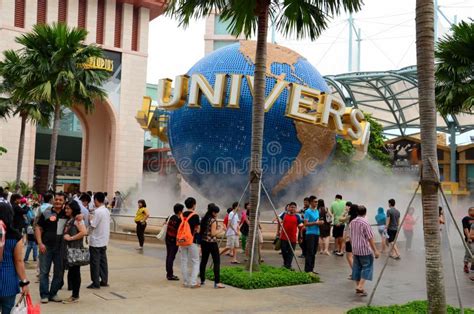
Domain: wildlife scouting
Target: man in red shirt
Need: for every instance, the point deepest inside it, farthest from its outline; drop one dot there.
(289, 235)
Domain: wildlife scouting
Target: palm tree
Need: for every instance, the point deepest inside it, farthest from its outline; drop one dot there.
(304, 18)
(55, 56)
(429, 183)
(455, 71)
(11, 68)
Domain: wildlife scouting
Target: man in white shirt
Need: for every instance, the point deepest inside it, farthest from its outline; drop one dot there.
(98, 241)
(232, 233)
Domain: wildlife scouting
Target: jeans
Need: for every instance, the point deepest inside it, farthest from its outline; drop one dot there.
(312, 241)
(190, 253)
(141, 233)
(31, 246)
(7, 303)
(52, 256)
(210, 248)
(74, 280)
(287, 253)
(98, 265)
(171, 250)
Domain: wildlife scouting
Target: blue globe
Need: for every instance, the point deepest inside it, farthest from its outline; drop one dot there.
(212, 146)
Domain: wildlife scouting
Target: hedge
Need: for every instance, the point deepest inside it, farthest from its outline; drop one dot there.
(408, 308)
(267, 277)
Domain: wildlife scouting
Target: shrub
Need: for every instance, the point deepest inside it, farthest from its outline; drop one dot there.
(267, 277)
(408, 308)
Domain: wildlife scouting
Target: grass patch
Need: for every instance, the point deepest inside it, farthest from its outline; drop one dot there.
(267, 277)
(408, 308)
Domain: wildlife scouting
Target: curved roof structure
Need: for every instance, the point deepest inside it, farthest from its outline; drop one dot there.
(392, 98)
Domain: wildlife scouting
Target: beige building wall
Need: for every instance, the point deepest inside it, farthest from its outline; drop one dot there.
(112, 152)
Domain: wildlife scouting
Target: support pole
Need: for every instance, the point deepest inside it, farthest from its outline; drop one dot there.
(453, 265)
(359, 39)
(389, 249)
(350, 42)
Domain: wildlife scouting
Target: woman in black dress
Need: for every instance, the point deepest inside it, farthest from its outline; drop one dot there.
(74, 233)
(324, 229)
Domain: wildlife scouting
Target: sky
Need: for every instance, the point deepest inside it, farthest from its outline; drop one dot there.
(387, 33)
(387, 40)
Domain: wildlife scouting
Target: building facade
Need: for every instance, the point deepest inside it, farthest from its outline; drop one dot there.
(112, 141)
(216, 35)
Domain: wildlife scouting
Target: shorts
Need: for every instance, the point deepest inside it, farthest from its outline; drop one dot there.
(391, 235)
(381, 229)
(338, 231)
(362, 267)
(232, 241)
(348, 247)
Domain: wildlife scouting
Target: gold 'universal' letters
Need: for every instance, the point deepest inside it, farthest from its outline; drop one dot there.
(304, 104)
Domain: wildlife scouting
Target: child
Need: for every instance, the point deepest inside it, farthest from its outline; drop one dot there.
(32, 245)
(381, 220)
(408, 226)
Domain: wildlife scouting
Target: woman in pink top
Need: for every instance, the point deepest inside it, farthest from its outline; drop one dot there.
(408, 226)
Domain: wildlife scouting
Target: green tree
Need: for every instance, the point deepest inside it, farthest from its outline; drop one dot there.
(303, 18)
(55, 57)
(429, 183)
(455, 70)
(11, 68)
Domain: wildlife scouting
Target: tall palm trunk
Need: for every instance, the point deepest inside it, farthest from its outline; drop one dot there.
(429, 187)
(54, 146)
(257, 129)
(21, 149)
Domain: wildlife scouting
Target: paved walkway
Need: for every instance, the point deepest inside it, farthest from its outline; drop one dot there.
(138, 285)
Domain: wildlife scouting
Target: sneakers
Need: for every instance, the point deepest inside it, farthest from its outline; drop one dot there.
(56, 298)
(91, 286)
(173, 278)
(44, 300)
(70, 300)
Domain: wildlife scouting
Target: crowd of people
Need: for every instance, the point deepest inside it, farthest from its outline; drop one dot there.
(57, 225)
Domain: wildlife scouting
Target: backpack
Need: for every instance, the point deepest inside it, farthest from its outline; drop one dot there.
(185, 236)
(3, 233)
(226, 220)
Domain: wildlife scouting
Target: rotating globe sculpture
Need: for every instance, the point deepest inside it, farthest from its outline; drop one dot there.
(211, 146)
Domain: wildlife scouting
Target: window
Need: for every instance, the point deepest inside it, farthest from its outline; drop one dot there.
(135, 33)
(41, 12)
(118, 25)
(20, 13)
(100, 22)
(82, 14)
(62, 11)
(220, 27)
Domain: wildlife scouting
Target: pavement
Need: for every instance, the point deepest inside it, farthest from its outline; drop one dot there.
(138, 285)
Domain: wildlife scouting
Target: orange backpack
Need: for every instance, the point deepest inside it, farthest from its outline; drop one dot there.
(185, 236)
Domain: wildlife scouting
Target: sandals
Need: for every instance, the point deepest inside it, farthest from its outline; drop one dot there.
(361, 293)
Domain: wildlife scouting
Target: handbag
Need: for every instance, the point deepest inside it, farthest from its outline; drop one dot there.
(162, 234)
(20, 306)
(277, 243)
(32, 309)
(77, 256)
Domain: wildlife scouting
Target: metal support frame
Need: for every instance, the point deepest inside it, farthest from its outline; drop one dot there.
(376, 93)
